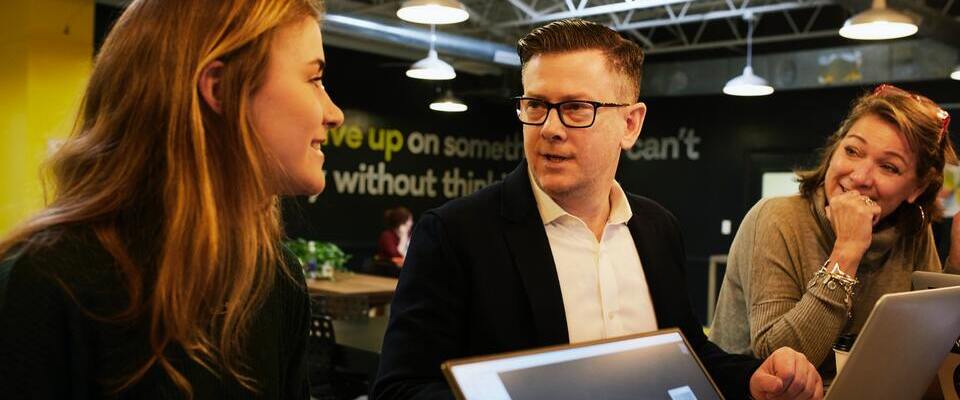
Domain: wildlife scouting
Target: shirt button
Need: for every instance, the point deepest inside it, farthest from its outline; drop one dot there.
(610, 316)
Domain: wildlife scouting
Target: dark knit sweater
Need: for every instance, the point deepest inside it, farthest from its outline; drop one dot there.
(52, 347)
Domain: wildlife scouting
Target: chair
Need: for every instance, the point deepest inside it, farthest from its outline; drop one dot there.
(384, 268)
(321, 349)
(336, 372)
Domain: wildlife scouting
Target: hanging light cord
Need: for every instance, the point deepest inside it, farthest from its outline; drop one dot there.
(749, 17)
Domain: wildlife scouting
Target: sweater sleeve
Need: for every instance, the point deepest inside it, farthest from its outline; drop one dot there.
(784, 311)
(34, 323)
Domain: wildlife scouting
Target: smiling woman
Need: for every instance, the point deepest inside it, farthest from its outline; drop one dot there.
(156, 271)
(806, 269)
(292, 109)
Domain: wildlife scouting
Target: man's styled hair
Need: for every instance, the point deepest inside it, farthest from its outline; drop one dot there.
(566, 35)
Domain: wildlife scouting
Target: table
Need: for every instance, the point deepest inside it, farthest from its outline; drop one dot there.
(357, 304)
(378, 290)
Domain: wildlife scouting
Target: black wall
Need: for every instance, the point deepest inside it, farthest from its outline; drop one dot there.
(378, 99)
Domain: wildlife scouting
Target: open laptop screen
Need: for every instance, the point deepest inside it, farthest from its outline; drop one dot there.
(658, 366)
(923, 280)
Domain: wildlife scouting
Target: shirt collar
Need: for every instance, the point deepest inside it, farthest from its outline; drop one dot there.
(620, 211)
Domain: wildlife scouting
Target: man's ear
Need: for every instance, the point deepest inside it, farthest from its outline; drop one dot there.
(209, 84)
(635, 115)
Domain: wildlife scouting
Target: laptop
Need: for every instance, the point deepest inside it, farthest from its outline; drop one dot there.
(931, 280)
(901, 346)
(655, 365)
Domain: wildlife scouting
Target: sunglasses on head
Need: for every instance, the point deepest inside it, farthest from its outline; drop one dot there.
(941, 114)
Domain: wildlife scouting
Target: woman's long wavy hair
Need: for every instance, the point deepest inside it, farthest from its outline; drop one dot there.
(928, 138)
(147, 151)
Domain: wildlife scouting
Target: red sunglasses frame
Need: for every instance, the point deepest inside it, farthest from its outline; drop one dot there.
(941, 113)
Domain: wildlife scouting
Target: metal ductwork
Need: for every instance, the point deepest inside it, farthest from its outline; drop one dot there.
(397, 40)
(903, 60)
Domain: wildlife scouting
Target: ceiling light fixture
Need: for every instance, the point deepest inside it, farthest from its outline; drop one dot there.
(438, 12)
(432, 67)
(878, 23)
(448, 103)
(748, 84)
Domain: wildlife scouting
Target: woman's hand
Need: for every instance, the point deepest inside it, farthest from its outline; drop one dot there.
(852, 216)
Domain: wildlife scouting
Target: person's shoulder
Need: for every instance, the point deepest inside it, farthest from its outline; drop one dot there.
(52, 258)
(783, 216)
(288, 259)
(779, 209)
(56, 249)
(479, 204)
(643, 204)
(650, 210)
(791, 203)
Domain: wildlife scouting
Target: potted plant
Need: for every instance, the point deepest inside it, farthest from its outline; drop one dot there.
(318, 259)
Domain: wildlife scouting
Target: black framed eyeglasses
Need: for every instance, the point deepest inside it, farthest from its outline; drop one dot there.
(572, 113)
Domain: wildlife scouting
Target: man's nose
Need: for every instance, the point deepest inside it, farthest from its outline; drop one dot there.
(553, 128)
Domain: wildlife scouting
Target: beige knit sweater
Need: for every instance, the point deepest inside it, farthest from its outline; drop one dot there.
(766, 300)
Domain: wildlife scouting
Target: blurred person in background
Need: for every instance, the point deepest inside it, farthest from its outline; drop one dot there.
(394, 240)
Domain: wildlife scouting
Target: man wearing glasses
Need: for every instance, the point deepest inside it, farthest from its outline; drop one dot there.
(558, 253)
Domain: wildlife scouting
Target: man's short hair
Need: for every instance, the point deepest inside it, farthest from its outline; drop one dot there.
(624, 56)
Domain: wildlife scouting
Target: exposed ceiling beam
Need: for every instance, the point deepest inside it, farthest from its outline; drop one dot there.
(743, 42)
(589, 11)
(714, 15)
(525, 8)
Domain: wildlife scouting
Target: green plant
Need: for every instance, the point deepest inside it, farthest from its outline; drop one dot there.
(319, 252)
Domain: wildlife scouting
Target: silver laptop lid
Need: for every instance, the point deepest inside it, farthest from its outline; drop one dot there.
(658, 365)
(931, 280)
(900, 347)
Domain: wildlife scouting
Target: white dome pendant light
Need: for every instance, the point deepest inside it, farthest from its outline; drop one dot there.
(437, 12)
(748, 84)
(878, 23)
(432, 67)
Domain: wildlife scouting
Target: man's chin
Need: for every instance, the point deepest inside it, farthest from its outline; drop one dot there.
(555, 189)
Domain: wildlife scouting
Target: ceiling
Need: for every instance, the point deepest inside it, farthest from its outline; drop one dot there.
(703, 40)
(695, 28)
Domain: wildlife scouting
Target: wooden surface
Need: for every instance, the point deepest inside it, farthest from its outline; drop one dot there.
(354, 285)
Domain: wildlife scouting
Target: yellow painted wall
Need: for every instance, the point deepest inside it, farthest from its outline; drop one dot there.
(47, 52)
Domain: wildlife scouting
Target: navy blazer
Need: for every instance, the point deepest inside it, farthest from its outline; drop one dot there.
(479, 278)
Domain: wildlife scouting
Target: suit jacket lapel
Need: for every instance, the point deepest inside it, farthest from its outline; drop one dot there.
(644, 236)
(532, 257)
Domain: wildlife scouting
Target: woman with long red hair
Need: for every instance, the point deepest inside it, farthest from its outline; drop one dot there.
(155, 271)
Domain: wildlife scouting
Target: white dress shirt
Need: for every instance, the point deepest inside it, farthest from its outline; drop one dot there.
(604, 290)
